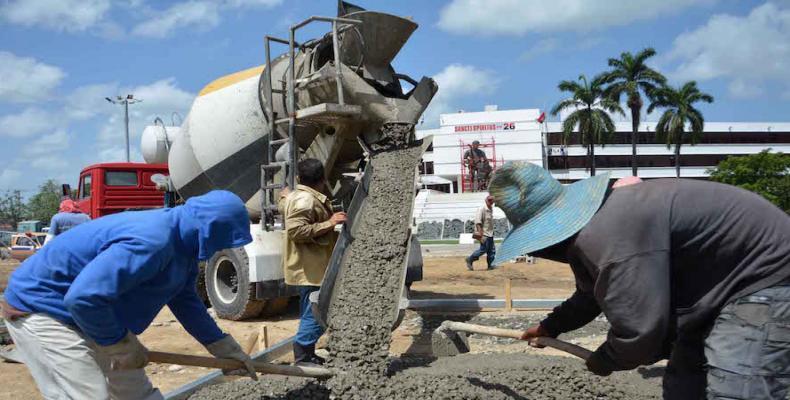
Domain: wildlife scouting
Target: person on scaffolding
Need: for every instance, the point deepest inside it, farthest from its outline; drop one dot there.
(474, 159)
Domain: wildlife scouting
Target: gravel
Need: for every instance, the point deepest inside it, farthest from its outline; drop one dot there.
(468, 376)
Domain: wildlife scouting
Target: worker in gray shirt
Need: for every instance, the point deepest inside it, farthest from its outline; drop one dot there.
(484, 233)
(690, 271)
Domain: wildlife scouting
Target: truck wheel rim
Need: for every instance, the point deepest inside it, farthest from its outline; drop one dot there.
(226, 280)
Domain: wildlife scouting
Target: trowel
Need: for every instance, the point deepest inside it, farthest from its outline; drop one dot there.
(450, 339)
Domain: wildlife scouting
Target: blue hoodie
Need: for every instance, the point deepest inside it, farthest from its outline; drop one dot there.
(115, 274)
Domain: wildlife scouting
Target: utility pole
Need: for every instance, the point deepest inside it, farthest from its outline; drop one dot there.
(129, 99)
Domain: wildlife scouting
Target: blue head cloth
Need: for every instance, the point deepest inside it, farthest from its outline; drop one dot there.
(543, 211)
(222, 221)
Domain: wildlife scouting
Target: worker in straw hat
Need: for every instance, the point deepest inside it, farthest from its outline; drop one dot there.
(690, 271)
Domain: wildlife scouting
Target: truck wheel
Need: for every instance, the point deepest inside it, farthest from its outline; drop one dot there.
(201, 284)
(228, 285)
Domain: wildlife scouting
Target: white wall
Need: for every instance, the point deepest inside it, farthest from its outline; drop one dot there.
(516, 135)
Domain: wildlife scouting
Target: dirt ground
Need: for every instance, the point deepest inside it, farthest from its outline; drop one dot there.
(444, 277)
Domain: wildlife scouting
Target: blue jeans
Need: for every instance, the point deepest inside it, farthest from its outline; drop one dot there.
(746, 355)
(309, 329)
(487, 248)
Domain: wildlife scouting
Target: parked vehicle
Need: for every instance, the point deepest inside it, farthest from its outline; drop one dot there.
(110, 188)
(25, 245)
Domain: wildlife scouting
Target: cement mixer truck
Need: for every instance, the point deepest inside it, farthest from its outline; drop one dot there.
(329, 98)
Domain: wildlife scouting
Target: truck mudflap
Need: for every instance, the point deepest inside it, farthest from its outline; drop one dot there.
(322, 299)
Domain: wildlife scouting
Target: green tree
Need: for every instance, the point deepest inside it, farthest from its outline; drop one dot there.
(12, 208)
(630, 76)
(44, 204)
(678, 114)
(590, 113)
(765, 173)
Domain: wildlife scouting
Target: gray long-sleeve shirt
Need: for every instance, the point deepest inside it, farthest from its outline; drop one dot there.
(661, 258)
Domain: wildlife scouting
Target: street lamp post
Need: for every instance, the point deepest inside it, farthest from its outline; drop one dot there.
(129, 99)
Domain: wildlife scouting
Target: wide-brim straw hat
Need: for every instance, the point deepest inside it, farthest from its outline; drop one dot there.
(542, 211)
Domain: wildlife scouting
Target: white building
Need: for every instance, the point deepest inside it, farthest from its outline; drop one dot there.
(516, 135)
(446, 206)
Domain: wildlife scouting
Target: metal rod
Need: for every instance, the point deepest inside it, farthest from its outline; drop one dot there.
(272, 353)
(126, 122)
(275, 39)
(324, 19)
(292, 111)
(338, 63)
(477, 304)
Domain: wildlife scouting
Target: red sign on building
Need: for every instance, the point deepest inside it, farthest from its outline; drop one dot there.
(498, 126)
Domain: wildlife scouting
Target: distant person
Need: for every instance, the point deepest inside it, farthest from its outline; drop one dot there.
(69, 215)
(474, 158)
(691, 271)
(484, 233)
(309, 240)
(74, 309)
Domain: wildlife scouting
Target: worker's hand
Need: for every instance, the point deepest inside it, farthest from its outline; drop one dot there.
(228, 347)
(127, 354)
(600, 363)
(338, 218)
(533, 332)
(284, 191)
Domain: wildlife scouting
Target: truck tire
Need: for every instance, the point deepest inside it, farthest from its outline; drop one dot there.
(201, 284)
(228, 285)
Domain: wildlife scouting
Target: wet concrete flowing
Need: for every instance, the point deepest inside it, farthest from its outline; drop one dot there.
(366, 297)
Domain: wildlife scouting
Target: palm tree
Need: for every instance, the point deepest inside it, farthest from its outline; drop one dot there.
(630, 76)
(591, 113)
(680, 112)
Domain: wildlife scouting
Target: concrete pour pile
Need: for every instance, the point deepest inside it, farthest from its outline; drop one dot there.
(468, 376)
(365, 303)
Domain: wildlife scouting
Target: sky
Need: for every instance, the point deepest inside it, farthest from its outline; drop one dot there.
(59, 59)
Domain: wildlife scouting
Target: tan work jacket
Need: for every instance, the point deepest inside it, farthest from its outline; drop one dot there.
(306, 212)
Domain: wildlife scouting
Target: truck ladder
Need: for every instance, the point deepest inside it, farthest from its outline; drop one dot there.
(318, 113)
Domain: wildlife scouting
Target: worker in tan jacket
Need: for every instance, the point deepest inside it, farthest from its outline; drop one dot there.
(309, 240)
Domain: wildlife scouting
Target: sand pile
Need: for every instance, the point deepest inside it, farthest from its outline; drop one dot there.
(469, 376)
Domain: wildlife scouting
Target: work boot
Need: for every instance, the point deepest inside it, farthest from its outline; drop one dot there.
(301, 353)
(469, 264)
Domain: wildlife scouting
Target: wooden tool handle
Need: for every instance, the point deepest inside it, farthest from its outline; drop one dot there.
(225, 363)
(569, 348)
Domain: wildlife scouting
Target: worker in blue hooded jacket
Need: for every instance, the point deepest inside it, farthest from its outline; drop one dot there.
(75, 307)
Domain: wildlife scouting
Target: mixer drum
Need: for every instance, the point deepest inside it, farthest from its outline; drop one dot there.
(222, 142)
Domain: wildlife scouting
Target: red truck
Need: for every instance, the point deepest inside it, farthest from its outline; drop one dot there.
(109, 188)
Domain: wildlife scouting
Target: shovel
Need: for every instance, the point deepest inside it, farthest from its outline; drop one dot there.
(450, 339)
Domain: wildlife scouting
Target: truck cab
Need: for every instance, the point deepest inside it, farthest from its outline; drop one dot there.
(109, 188)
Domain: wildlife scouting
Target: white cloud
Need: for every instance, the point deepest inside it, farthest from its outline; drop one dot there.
(27, 123)
(23, 79)
(456, 82)
(49, 145)
(201, 15)
(543, 46)
(159, 99)
(8, 178)
(88, 101)
(517, 17)
(750, 51)
(60, 15)
(194, 14)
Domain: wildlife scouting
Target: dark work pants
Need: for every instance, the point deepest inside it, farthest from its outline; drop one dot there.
(309, 329)
(487, 248)
(747, 352)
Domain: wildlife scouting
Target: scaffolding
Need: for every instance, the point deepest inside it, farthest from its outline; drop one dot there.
(475, 178)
